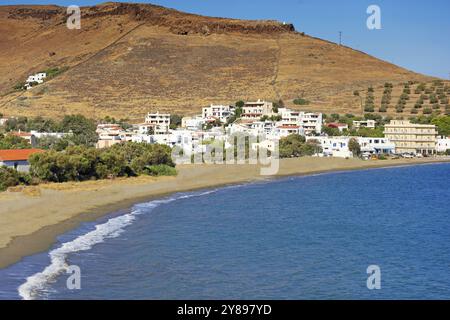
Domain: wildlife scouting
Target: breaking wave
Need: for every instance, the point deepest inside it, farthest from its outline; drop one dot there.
(38, 285)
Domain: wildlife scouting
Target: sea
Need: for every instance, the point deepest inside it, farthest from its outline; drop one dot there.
(368, 234)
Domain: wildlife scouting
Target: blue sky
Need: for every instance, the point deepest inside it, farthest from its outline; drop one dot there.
(415, 34)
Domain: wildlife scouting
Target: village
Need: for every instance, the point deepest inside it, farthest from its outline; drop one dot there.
(262, 119)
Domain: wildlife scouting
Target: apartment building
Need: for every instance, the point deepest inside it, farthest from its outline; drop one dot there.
(158, 123)
(255, 110)
(217, 112)
(410, 137)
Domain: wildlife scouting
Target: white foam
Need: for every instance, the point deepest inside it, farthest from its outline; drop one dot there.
(38, 284)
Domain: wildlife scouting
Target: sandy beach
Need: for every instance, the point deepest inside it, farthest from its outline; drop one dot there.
(32, 218)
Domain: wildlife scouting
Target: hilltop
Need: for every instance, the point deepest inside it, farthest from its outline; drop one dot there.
(128, 59)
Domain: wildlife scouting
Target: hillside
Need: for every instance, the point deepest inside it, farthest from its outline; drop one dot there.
(128, 59)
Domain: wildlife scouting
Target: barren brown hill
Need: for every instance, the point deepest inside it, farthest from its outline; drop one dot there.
(128, 59)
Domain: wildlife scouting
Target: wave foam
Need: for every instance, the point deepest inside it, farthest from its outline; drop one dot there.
(38, 284)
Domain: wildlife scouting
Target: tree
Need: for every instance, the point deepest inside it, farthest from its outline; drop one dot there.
(443, 125)
(83, 129)
(13, 142)
(175, 121)
(354, 147)
(239, 104)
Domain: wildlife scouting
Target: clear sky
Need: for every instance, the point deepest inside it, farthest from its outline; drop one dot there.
(415, 34)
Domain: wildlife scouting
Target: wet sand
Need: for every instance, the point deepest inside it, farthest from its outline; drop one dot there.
(31, 220)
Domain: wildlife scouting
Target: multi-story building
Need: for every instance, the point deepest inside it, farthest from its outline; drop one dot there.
(309, 122)
(158, 123)
(217, 112)
(410, 137)
(256, 110)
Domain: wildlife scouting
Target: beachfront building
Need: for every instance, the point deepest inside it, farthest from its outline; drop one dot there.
(217, 112)
(442, 144)
(376, 145)
(411, 137)
(157, 123)
(257, 109)
(333, 146)
(364, 124)
(17, 159)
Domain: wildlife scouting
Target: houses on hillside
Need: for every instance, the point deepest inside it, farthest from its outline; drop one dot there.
(35, 79)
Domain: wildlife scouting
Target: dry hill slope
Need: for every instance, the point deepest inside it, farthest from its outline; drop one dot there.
(130, 58)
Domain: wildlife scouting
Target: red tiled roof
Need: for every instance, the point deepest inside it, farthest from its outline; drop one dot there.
(289, 127)
(17, 155)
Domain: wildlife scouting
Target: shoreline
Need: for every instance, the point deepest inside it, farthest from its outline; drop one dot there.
(30, 224)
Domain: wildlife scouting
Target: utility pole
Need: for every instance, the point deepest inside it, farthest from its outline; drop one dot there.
(340, 38)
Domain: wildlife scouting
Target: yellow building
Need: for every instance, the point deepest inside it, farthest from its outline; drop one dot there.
(410, 137)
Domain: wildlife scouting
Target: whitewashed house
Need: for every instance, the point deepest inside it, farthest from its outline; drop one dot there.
(364, 124)
(217, 112)
(334, 146)
(192, 123)
(442, 144)
(376, 145)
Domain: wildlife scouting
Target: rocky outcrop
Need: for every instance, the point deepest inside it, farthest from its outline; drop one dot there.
(177, 22)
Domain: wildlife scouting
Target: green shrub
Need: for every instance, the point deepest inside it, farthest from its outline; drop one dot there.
(427, 111)
(160, 170)
(301, 101)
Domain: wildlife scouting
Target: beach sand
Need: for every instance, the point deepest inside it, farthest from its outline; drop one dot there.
(32, 218)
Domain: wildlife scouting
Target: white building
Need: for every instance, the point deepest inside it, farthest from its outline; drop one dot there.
(35, 78)
(217, 112)
(157, 122)
(287, 130)
(376, 145)
(334, 146)
(442, 144)
(364, 124)
(257, 109)
(192, 123)
(309, 122)
(3, 121)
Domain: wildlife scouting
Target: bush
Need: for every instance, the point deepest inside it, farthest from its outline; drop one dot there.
(10, 178)
(79, 163)
(369, 108)
(301, 101)
(160, 170)
(427, 111)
